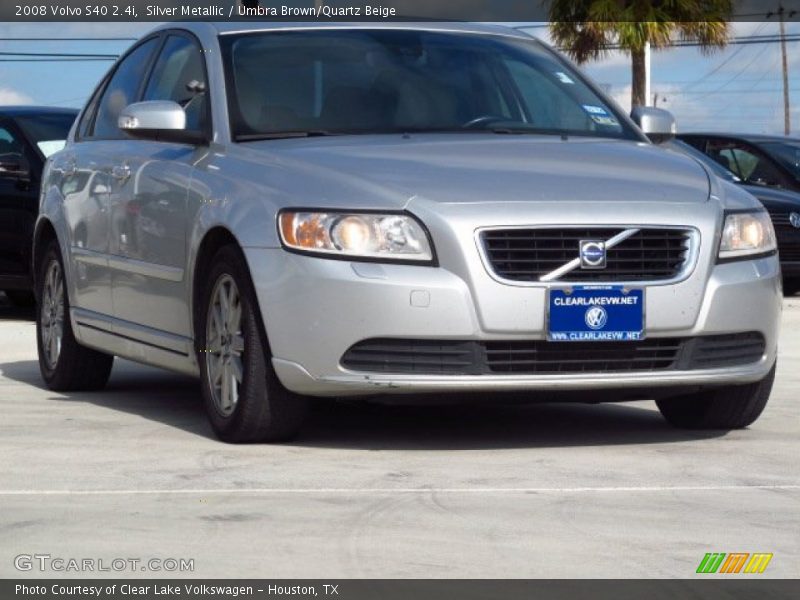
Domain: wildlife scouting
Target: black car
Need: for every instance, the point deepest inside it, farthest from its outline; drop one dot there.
(763, 160)
(783, 206)
(28, 134)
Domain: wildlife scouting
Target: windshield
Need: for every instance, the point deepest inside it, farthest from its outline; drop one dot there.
(709, 162)
(322, 82)
(787, 153)
(48, 131)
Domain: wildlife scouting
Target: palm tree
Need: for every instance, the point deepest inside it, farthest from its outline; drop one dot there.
(586, 29)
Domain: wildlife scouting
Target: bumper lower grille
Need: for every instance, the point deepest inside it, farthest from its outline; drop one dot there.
(528, 254)
(788, 236)
(453, 357)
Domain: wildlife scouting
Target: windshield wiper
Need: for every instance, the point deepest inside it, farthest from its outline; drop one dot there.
(283, 135)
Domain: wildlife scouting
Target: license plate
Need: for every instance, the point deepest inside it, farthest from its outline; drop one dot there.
(596, 314)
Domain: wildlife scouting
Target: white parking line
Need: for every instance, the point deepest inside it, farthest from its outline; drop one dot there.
(422, 490)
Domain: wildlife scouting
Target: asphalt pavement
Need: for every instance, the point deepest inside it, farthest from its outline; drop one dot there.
(479, 491)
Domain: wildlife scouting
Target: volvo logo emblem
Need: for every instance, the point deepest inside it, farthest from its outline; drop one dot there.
(593, 254)
(794, 219)
(596, 317)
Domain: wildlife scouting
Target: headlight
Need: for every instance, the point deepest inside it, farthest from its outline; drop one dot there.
(746, 234)
(392, 237)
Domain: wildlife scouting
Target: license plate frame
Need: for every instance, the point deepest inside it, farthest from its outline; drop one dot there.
(617, 313)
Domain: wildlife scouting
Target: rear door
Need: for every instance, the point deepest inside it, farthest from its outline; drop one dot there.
(89, 182)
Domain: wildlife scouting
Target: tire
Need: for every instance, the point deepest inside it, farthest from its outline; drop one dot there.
(791, 286)
(65, 364)
(21, 298)
(253, 406)
(732, 407)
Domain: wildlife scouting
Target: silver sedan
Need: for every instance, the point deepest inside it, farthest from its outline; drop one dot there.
(289, 211)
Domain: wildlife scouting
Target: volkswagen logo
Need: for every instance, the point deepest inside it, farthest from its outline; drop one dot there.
(596, 317)
(593, 254)
(794, 219)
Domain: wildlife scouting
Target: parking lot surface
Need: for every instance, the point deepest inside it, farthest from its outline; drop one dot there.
(550, 490)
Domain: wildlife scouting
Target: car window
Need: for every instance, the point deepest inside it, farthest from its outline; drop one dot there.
(749, 165)
(48, 131)
(87, 117)
(787, 153)
(689, 150)
(122, 90)
(179, 75)
(551, 100)
(382, 81)
(12, 151)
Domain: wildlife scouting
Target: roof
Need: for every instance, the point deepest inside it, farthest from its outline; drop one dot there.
(750, 137)
(231, 27)
(32, 111)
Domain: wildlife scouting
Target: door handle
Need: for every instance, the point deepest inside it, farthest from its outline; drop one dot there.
(121, 172)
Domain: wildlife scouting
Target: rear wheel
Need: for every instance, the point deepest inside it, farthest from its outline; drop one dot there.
(243, 397)
(730, 407)
(65, 364)
(21, 298)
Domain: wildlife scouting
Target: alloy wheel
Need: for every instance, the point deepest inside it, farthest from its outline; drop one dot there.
(52, 314)
(225, 345)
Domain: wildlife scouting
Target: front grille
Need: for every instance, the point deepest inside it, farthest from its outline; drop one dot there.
(528, 254)
(455, 357)
(788, 235)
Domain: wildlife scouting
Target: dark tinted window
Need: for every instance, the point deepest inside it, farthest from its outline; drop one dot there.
(746, 162)
(47, 131)
(786, 153)
(12, 152)
(362, 81)
(179, 75)
(122, 90)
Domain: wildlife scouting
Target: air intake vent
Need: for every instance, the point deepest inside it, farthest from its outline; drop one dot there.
(450, 357)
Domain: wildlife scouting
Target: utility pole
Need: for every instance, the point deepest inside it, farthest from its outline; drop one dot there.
(787, 118)
(646, 72)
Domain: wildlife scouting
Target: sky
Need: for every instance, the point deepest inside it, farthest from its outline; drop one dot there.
(736, 89)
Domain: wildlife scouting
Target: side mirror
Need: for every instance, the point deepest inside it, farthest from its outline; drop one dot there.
(158, 120)
(656, 123)
(14, 166)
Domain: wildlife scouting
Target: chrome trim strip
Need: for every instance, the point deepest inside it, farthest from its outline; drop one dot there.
(139, 267)
(89, 257)
(576, 262)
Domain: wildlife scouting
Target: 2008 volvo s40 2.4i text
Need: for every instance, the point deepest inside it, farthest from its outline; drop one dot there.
(291, 211)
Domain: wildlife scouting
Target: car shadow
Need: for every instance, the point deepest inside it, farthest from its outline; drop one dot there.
(9, 312)
(485, 422)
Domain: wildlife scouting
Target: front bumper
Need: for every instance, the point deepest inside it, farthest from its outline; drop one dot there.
(315, 309)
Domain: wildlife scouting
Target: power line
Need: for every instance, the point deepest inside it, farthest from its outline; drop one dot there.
(67, 39)
(54, 60)
(60, 55)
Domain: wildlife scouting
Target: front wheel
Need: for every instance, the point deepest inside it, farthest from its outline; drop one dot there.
(732, 407)
(244, 400)
(65, 364)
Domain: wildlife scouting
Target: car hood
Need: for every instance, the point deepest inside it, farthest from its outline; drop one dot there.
(486, 168)
(774, 198)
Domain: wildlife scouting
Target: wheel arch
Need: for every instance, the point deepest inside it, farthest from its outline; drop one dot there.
(214, 239)
(43, 233)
